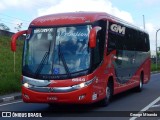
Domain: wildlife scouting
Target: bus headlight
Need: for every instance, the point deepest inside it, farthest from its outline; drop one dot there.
(27, 85)
(84, 84)
(30, 82)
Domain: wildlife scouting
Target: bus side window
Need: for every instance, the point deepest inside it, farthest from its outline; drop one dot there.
(99, 49)
(111, 42)
(147, 45)
(129, 40)
(140, 42)
(116, 40)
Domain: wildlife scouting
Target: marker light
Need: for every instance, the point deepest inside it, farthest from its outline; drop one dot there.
(82, 85)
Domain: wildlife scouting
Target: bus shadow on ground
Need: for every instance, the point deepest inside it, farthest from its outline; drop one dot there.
(84, 110)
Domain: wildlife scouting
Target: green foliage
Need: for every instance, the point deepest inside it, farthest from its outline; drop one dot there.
(153, 67)
(10, 81)
(158, 54)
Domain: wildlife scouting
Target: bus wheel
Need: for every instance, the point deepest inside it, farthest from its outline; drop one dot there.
(52, 105)
(109, 93)
(140, 86)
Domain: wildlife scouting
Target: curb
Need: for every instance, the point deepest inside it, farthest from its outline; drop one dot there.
(155, 72)
(11, 98)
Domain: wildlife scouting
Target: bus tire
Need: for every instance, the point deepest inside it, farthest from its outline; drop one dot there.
(52, 105)
(109, 94)
(140, 86)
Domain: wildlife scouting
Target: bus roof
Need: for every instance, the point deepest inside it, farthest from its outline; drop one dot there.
(67, 18)
(77, 18)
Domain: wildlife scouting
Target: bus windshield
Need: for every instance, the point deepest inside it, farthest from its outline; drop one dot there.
(57, 51)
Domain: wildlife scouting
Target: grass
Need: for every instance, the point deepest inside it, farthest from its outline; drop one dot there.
(9, 81)
(153, 67)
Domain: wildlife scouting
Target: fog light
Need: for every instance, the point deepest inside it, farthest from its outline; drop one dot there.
(26, 96)
(94, 96)
(82, 97)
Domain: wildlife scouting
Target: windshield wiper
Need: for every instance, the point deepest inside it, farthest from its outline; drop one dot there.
(63, 60)
(40, 67)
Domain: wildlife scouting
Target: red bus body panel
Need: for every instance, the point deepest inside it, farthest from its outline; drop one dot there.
(102, 73)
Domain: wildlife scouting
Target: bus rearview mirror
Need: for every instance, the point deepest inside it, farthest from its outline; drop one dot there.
(14, 39)
(93, 36)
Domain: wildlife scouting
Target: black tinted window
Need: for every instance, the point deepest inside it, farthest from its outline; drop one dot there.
(130, 40)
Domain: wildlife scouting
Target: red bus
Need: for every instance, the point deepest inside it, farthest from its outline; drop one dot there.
(81, 58)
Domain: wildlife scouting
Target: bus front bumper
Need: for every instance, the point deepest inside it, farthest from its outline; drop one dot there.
(85, 95)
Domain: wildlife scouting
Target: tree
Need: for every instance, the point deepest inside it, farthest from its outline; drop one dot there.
(19, 26)
(4, 27)
(158, 52)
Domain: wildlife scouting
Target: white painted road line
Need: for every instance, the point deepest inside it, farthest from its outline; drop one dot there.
(10, 103)
(147, 107)
(6, 99)
(156, 106)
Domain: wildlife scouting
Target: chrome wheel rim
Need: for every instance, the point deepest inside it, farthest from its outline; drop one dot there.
(108, 93)
(140, 84)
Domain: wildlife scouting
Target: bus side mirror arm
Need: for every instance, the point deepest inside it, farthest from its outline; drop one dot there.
(14, 39)
(93, 36)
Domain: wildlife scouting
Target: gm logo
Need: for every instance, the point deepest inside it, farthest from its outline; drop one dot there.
(118, 29)
(6, 114)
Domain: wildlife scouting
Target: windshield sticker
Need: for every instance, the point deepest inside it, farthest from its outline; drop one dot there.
(56, 71)
(76, 34)
(43, 30)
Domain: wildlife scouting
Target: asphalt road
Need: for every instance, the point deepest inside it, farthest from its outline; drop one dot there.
(125, 106)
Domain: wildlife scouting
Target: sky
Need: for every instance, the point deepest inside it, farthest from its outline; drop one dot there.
(14, 12)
